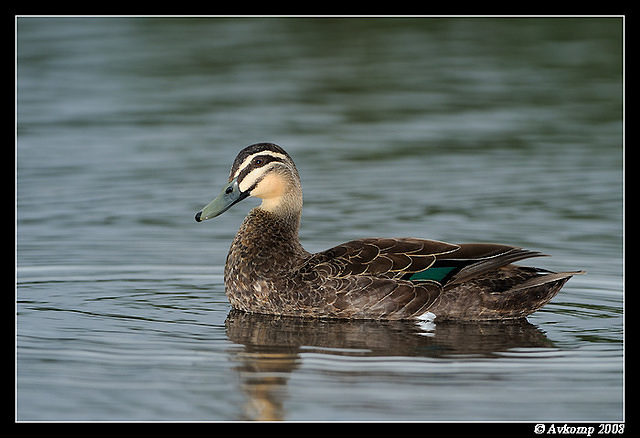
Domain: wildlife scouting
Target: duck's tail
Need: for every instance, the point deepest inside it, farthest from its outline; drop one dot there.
(509, 292)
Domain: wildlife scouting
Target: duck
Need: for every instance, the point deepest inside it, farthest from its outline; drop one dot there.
(268, 271)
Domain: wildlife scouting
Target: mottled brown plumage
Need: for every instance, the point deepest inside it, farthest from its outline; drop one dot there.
(268, 270)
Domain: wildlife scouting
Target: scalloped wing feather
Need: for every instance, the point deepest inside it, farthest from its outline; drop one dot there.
(388, 258)
(369, 297)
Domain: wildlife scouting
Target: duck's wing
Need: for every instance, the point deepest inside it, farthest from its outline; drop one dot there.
(363, 278)
(367, 297)
(399, 278)
(379, 257)
(470, 261)
(415, 259)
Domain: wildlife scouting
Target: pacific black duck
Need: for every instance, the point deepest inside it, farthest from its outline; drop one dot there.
(268, 271)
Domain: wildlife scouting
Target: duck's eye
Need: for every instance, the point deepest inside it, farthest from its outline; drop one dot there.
(258, 162)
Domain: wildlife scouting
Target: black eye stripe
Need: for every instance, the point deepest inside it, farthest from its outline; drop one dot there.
(261, 160)
(264, 160)
(265, 151)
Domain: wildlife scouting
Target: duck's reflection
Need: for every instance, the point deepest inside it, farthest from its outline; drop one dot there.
(270, 347)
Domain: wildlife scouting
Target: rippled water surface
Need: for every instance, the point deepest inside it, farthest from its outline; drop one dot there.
(500, 130)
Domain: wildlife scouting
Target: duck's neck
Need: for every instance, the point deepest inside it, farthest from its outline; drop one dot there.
(285, 211)
(270, 232)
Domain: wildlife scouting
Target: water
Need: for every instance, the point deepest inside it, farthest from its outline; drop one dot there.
(500, 130)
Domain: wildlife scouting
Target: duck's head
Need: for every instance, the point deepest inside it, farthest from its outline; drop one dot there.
(262, 170)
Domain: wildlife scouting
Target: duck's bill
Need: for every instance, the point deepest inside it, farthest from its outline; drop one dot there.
(230, 195)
